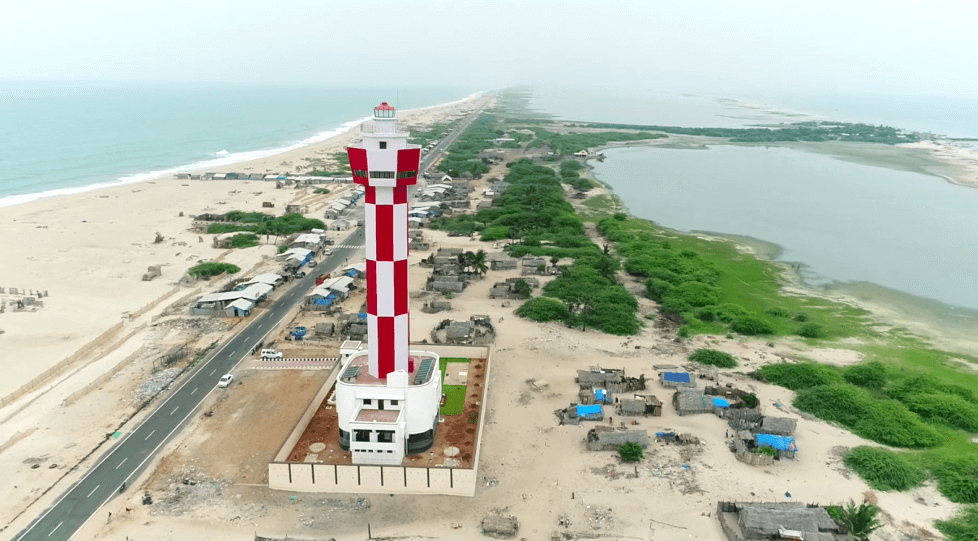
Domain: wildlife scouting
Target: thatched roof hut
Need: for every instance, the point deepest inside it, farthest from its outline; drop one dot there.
(689, 401)
(500, 526)
(781, 426)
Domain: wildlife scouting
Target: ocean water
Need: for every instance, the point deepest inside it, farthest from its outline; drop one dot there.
(71, 137)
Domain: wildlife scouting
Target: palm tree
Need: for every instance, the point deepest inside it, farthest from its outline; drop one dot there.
(862, 520)
(478, 262)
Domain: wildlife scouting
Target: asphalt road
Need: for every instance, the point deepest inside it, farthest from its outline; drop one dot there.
(126, 459)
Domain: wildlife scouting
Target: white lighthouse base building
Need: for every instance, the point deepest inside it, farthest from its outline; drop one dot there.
(383, 420)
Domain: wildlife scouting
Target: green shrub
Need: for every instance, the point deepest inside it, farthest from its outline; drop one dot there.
(930, 384)
(750, 400)
(884, 421)
(631, 452)
(713, 357)
(812, 330)
(957, 478)
(801, 318)
(778, 312)
(765, 450)
(871, 375)
(697, 294)
(282, 248)
(244, 240)
(523, 288)
(494, 233)
(962, 527)
(945, 409)
(882, 469)
(208, 269)
(321, 190)
(797, 376)
(620, 216)
(750, 325)
(544, 309)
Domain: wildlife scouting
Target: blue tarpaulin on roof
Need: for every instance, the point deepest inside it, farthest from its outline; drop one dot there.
(589, 411)
(361, 315)
(720, 402)
(351, 273)
(600, 395)
(676, 376)
(781, 443)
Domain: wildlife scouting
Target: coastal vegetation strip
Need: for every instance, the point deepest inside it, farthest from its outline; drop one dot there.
(568, 143)
(813, 131)
(208, 269)
(534, 213)
(710, 287)
(265, 224)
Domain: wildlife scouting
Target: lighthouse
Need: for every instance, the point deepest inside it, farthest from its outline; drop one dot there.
(387, 397)
(385, 166)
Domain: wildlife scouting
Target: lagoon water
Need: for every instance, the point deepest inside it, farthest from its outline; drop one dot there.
(846, 222)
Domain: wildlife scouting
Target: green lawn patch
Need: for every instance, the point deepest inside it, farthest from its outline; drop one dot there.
(455, 399)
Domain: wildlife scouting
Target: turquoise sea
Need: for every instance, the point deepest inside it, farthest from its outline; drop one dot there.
(70, 137)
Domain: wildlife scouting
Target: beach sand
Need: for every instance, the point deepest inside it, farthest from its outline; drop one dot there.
(89, 251)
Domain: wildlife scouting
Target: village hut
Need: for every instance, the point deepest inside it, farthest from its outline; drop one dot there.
(787, 520)
(606, 438)
(689, 401)
(676, 380)
(780, 426)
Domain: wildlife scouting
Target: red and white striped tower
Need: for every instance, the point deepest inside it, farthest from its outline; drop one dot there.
(386, 165)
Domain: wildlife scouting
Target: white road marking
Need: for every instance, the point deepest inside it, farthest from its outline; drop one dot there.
(56, 528)
(212, 371)
(174, 410)
(150, 434)
(93, 491)
(123, 462)
(195, 390)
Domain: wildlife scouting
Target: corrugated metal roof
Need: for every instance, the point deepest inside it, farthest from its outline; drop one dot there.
(242, 304)
(267, 278)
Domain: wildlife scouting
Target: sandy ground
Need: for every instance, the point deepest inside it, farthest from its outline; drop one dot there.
(90, 250)
(531, 467)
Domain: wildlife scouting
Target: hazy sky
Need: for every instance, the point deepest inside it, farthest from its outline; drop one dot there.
(893, 46)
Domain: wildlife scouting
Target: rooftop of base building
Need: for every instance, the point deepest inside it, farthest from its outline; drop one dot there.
(421, 365)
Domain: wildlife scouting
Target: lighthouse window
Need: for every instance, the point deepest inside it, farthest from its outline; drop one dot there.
(381, 174)
(385, 436)
(407, 174)
(383, 145)
(359, 173)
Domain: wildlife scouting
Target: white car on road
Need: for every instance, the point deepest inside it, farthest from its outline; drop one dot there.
(271, 354)
(226, 380)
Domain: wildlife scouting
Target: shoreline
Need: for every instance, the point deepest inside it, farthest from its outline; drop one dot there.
(234, 159)
(90, 250)
(889, 307)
